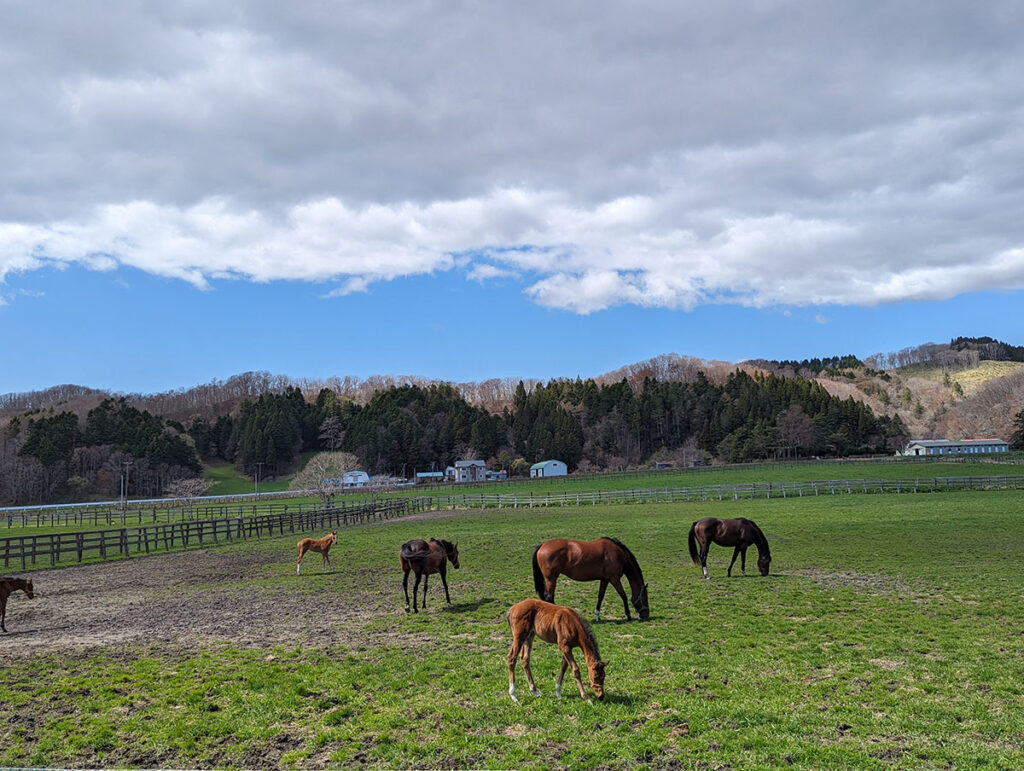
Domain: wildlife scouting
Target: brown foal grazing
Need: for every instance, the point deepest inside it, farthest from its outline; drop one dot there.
(322, 545)
(9, 586)
(728, 532)
(424, 558)
(554, 624)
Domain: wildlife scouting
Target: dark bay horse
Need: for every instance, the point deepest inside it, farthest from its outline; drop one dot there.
(554, 624)
(424, 558)
(9, 586)
(605, 560)
(322, 545)
(728, 532)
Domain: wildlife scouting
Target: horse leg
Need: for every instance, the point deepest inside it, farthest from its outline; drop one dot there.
(704, 549)
(600, 599)
(743, 560)
(513, 654)
(3, 611)
(527, 650)
(424, 603)
(735, 554)
(567, 658)
(617, 583)
(549, 595)
(298, 563)
(444, 581)
(325, 558)
(405, 588)
(415, 588)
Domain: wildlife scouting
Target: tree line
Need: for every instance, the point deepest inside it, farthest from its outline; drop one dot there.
(409, 428)
(49, 455)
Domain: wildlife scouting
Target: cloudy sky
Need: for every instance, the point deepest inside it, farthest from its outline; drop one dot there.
(469, 190)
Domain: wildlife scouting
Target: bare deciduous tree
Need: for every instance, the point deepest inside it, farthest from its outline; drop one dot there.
(323, 473)
(796, 429)
(188, 490)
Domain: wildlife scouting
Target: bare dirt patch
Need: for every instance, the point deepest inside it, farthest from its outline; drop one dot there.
(863, 582)
(192, 598)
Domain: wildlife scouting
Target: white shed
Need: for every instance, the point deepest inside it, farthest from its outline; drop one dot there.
(355, 478)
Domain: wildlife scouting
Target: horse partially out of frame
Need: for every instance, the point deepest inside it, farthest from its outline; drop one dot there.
(9, 586)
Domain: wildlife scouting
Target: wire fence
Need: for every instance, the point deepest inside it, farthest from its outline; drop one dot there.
(744, 491)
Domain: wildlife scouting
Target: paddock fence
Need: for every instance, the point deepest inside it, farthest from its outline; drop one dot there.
(63, 548)
(735, 492)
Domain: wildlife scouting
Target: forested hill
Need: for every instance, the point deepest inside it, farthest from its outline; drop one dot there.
(52, 455)
(74, 442)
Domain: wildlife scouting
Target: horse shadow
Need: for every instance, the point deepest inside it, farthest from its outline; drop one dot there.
(464, 607)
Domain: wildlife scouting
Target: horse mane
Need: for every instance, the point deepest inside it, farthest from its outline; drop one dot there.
(629, 555)
(590, 636)
(759, 540)
(448, 546)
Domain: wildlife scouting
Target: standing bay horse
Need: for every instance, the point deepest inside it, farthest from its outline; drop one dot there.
(322, 545)
(554, 624)
(729, 532)
(9, 586)
(424, 558)
(605, 560)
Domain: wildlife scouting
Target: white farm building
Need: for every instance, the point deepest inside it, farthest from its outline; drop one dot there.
(954, 447)
(549, 468)
(355, 478)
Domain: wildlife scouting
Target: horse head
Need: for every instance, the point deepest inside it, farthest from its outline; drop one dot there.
(595, 672)
(334, 537)
(763, 561)
(453, 555)
(643, 608)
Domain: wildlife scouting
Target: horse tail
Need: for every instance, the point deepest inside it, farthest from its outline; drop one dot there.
(693, 544)
(411, 555)
(538, 577)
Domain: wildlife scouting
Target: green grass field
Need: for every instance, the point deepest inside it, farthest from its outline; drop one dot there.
(891, 633)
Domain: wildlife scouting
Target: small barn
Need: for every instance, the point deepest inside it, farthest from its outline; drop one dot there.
(549, 468)
(355, 479)
(955, 447)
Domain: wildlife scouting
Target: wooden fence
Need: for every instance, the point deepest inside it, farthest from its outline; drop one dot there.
(137, 514)
(55, 548)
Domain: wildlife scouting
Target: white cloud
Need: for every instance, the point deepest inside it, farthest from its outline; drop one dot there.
(785, 156)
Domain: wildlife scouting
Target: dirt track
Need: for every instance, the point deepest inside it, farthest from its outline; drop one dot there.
(247, 597)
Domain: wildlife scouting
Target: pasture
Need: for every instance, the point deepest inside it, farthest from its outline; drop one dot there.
(890, 633)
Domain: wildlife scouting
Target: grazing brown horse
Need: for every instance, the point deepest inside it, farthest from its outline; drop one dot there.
(322, 545)
(424, 558)
(9, 586)
(605, 560)
(729, 532)
(554, 624)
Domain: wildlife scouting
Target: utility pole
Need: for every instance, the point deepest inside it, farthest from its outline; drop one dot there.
(125, 465)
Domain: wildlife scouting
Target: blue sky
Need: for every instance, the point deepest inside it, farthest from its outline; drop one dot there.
(131, 332)
(475, 191)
